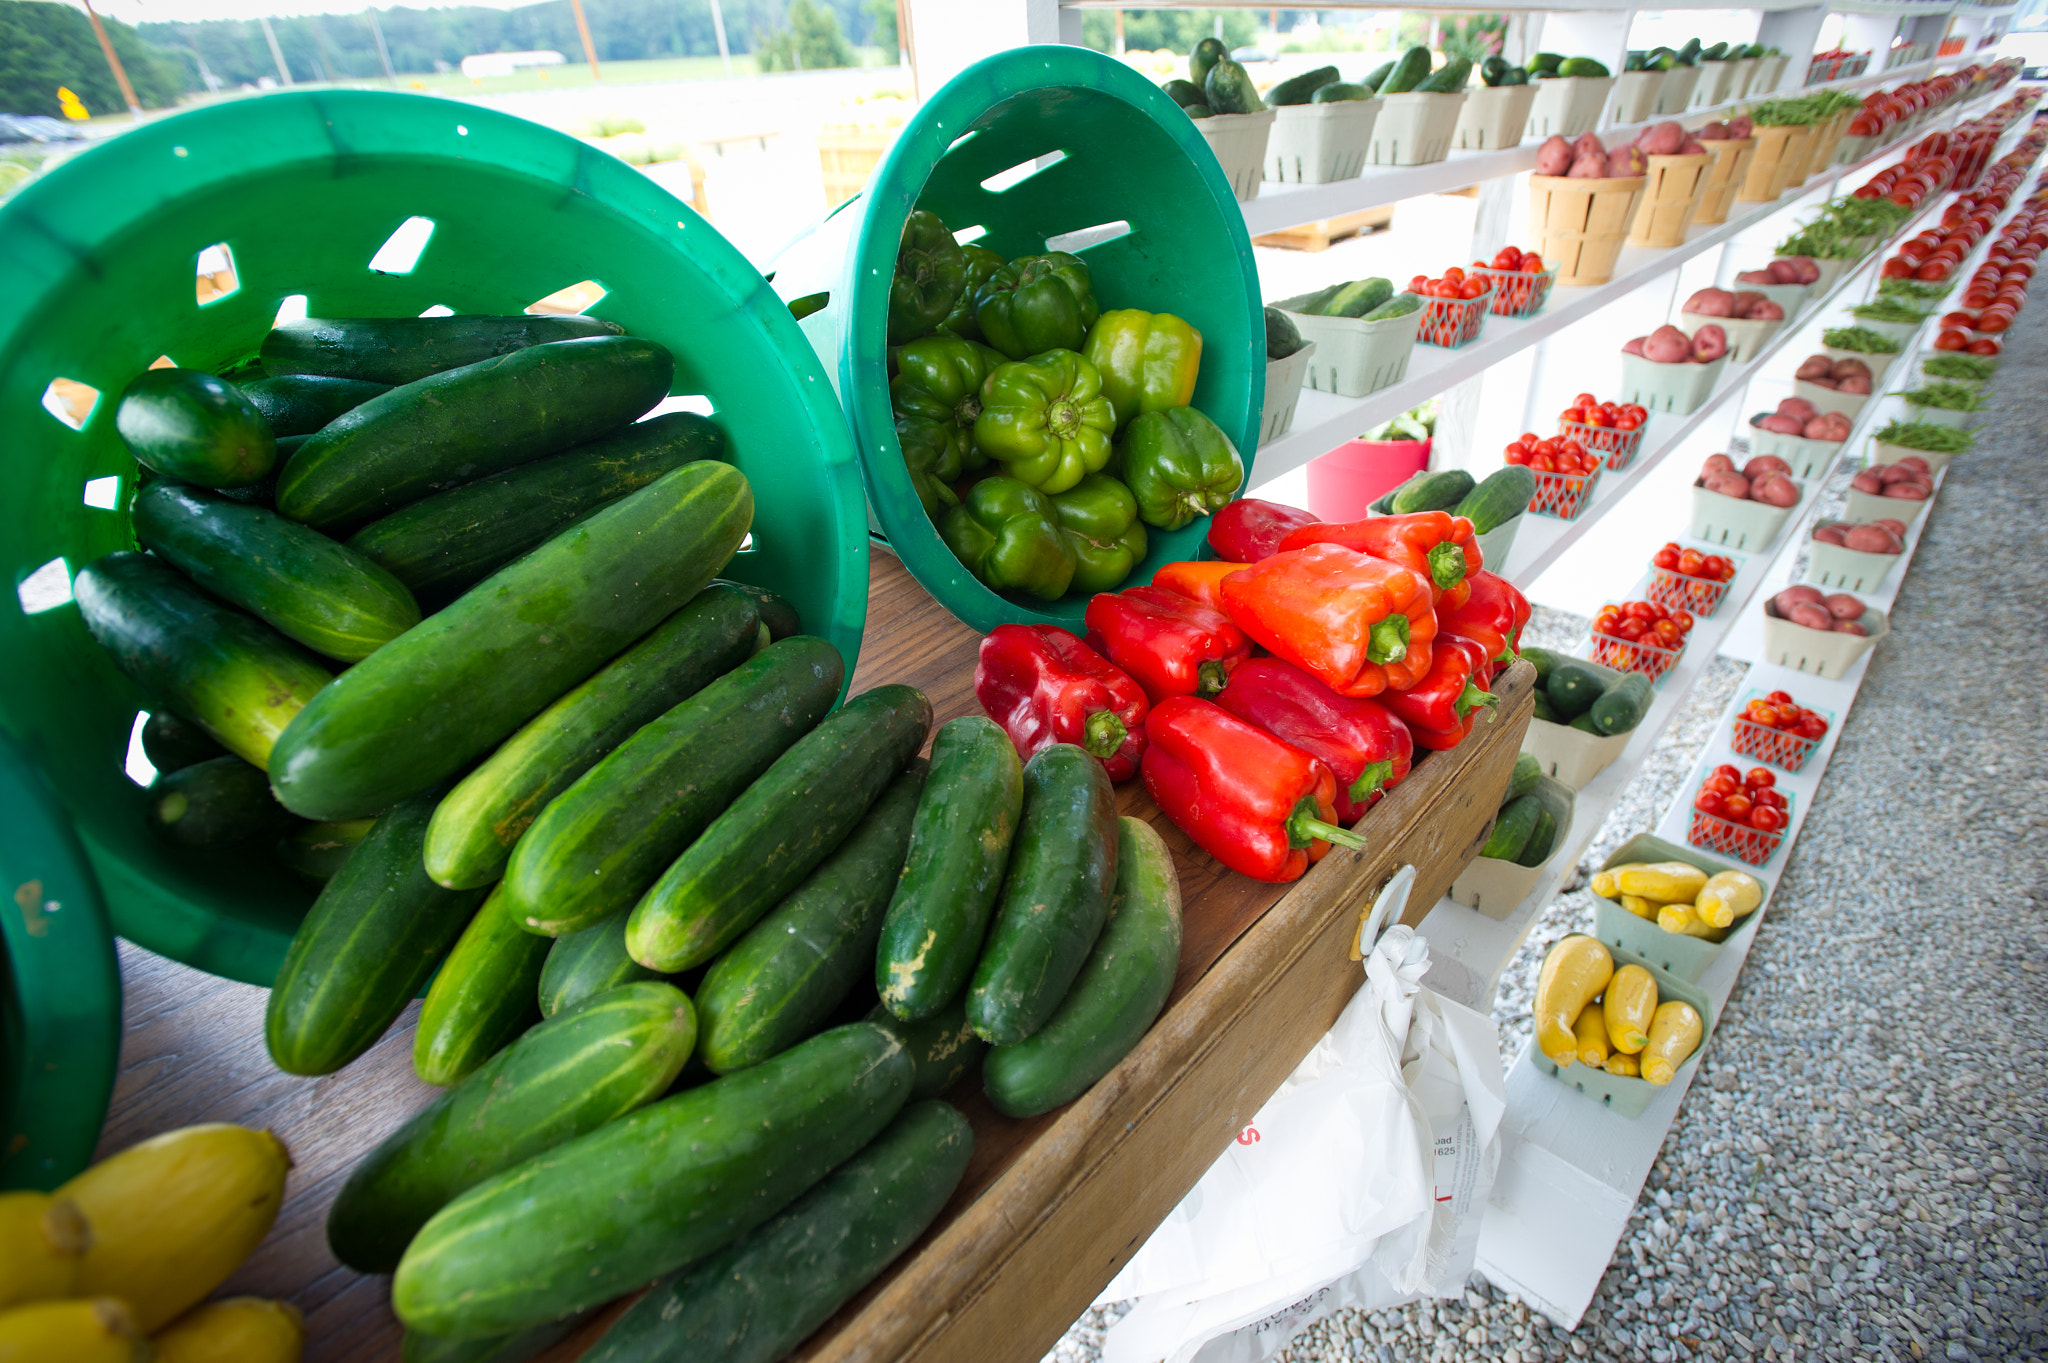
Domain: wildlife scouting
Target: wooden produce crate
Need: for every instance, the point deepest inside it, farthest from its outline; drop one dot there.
(848, 155)
(1326, 232)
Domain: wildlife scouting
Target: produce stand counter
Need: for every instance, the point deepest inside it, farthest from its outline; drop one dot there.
(1051, 1207)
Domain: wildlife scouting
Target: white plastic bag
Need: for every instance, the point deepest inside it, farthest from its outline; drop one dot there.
(1361, 1183)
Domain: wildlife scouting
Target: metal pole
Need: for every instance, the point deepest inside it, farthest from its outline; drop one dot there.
(284, 73)
(114, 60)
(383, 53)
(589, 48)
(322, 58)
(718, 27)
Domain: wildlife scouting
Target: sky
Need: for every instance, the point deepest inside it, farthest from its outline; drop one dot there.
(168, 11)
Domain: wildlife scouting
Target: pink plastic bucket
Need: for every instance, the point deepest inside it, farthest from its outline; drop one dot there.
(1343, 484)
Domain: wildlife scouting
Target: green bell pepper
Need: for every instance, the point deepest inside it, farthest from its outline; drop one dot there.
(1045, 420)
(1037, 303)
(1179, 465)
(1148, 360)
(1007, 534)
(933, 462)
(931, 273)
(1099, 518)
(938, 380)
(981, 264)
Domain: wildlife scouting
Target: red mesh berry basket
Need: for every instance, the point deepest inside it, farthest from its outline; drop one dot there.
(1516, 293)
(1564, 495)
(1453, 322)
(1738, 840)
(1619, 446)
(1634, 655)
(1675, 591)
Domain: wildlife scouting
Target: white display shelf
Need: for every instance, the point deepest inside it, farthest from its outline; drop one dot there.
(1903, 7)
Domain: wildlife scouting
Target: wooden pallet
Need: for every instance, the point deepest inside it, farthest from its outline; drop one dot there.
(1323, 233)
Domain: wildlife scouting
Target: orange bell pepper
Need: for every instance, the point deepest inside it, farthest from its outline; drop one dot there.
(1359, 624)
(1201, 579)
(1436, 544)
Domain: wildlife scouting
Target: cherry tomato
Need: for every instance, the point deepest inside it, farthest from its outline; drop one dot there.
(1764, 819)
(1759, 777)
(1684, 619)
(1718, 567)
(1631, 628)
(1737, 806)
(1952, 339)
(1667, 634)
(1779, 698)
(1708, 802)
(1532, 263)
(1639, 610)
(1764, 797)
(1721, 785)
(1667, 558)
(1454, 275)
(1543, 463)
(1627, 422)
(1517, 453)
(1585, 400)
(1530, 438)
(1811, 725)
(1984, 345)
(1638, 411)
(1690, 562)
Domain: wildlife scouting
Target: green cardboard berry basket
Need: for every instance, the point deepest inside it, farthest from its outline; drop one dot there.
(1631, 1097)
(297, 193)
(1683, 956)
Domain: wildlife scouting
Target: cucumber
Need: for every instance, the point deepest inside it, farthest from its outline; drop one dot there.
(1206, 54)
(237, 678)
(1378, 76)
(366, 946)
(1114, 999)
(1054, 901)
(1545, 61)
(1544, 660)
(189, 425)
(1542, 839)
(757, 1299)
(1584, 723)
(1492, 69)
(1558, 801)
(1573, 684)
(1359, 297)
(1514, 75)
(455, 427)
(1544, 709)
(1448, 80)
(1298, 89)
(1228, 89)
(768, 840)
(1527, 769)
(587, 963)
(214, 804)
(300, 404)
(1283, 338)
(1512, 828)
(443, 545)
(482, 997)
(776, 613)
(1621, 707)
(317, 850)
(327, 596)
(1583, 66)
(943, 1046)
(1400, 305)
(599, 844)
(564, 1078)
(1184, 92)
(517, 1347)
(652, 1191)
(958, 849)
(1409, 70)
(473, 831)
(398, 350)
(1499, 498)
(778, 983)
(170, 742)
(427, 705)
(1439, 491)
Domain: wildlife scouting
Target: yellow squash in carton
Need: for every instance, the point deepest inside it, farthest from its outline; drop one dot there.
(1681, 919)
(238, 1330)
(1639, 906)
(1624, 1065)
(1591, 1030)
(1630, 1003)
(96, 1330)
(1727, 897)
(1667, 882)
(1604, 882)
(41, 1241)
(1573, 974)
(1675, 1034)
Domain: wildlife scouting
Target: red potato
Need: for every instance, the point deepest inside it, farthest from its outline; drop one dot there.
(1765, 463)
(1815, 367)
(1692, 146)
(1868, 480)
(1848, 367)
(1717, 463)
(1823, 382)
(1805, 267)
(1795, 594)
(1914, 461)
(1827, 426)
(1711, 303)
(1668, 345)
(1625, 161)
(1850, 627)
(1832, 534)
(1888, 474)
(1763, 310)
(1774, 490)
(1634, 346)
(1855, 383)
(1811, 616)
(1715, 131)
(1868, 539)
(1896, 526)
(1799, 408)
(1780, 425)
(1740, 126)
(1756, 277)
(1783, 272)
(1554, 157)
(1745, 299)
(1589, 144)
(1662, 139)
(1910, 492)
(1588, 168)
(1729, 485)
(1843, 606)
(1709, 343)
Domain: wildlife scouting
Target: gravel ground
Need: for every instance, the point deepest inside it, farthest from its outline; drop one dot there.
(1862, 1169)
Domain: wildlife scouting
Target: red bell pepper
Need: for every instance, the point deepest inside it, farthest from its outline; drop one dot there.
(1201, 579)
(1436, 544)
(1172, 645)
(1491, 617)
(1262, 807)
(1363, 744)
(1044, 686)
(1358, 624)
(1248, 529)
(1442, 708)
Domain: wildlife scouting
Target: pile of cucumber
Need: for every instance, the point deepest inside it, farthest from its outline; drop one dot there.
(1535, 814)
(1215, 84)
(1586, 695)
(1488, 504)
(1552, 66)
(1370, 300)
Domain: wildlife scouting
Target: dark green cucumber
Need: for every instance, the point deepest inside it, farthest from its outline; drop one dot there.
(1054, 901)
(194, 427)
(1298, 89)
(215, 804)
(517, 1347)
(584, 964)
(325, 595)
(1498, 499)
(402, 349)
(464, 424)
(1512, 828)
(427, 705)
(1542, 841)
(237, 678)
(1528, 770)
(599, 844)
(1542, 659)
(1559, 801)
(776, 613)
(1184, 93)
(1114, 999)
(1228, 89)
(784, 824)
(482, 997)
(562, 1079)
(300, 404)
(652, 1191)
(1409, 70)
(476, 826)
(1545, 710)
(366, 946)
(443, 545)
(958, 849)
(317, 850)
(170, 742)
(779, 982)
(943, 1047)
(759, 1297)
(1435, 491)
(1621, 706)
(1574, 684)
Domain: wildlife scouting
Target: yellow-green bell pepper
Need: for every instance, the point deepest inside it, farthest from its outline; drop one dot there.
(1045, 420)
(1148, 360)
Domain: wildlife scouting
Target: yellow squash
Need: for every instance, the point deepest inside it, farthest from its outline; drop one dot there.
(1727, 897)
(1681, 919)
(1640, 907)
(1630, 1002)
(41, 1240)
(1624, 1065)
(1591, 1030)
(1605, 883)
(1675, 1034)
(99, 1330)
(238, 1330)
(1573, 974)
(1667, 882)
(174, 1216)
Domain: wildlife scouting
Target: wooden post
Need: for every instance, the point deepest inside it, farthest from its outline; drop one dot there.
(718, 28)
(589, 48)
(114, 60)
(284, 73)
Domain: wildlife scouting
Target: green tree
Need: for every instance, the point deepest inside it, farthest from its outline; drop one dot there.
(808, 39)
(1476, 36)
(882, 28)
(1177, 30)
(43, 46)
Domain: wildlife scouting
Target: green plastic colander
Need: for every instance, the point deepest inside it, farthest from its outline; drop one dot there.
(1116, 162)
(97, 279)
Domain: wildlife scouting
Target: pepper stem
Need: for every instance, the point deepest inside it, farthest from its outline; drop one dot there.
(1447, 565)
(1210, 677)
(1470, 699)
(1303, 827)
(1104, 734)
(966, 410)
(1389, 640)
(1371, 779)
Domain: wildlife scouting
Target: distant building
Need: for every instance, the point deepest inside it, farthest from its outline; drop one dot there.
(505, 63)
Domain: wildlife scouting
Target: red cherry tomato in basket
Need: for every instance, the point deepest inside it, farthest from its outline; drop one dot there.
(1667, 558)
(1759, 778)
(1765, 819)
(1737, 806)
(1708, 802)
(1531, 263)
(1729, 770)
(1763, 797)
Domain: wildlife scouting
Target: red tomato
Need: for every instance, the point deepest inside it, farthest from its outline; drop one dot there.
(1932, 270)
(1961, 320)
(1759, 776)
(1811, 725)
(1667, 634)
(1763, 797)
(1721, 785)
(1637, 410)
(1951, 339)
(1542, 463)
(1708, 802)
(1736, 806)
(1639, 610)
(1718, 568)
(1690, 562)
(1532, 263)
(1627, 422)
(1517, 453)
(1471, 289)
(1984, 345)
(1631, 628)
(1684, 619)
(1419, 284)
(1779, 698)
(1507, 258)
(1994, 320)
(1454, 275)
(1667, 558)
(1764, 819)
(1585, 400)
(1729, 770)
